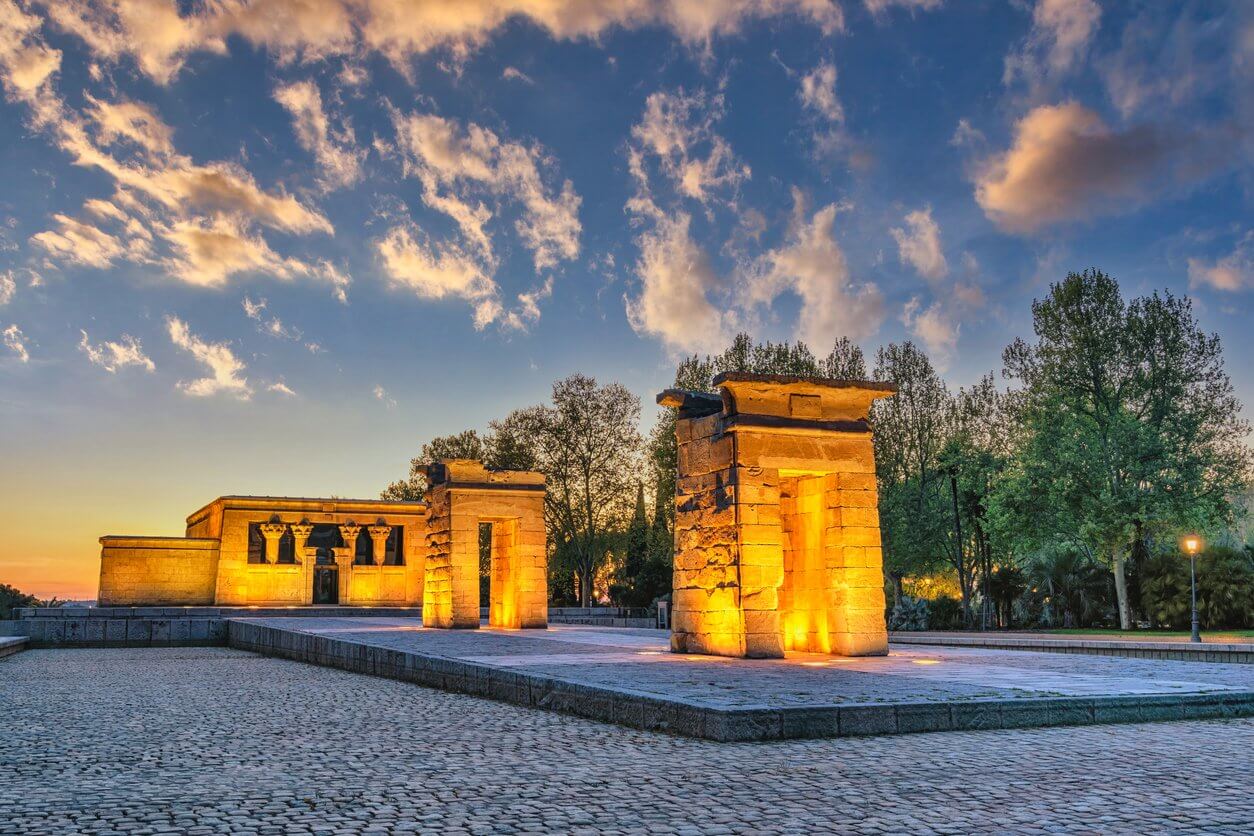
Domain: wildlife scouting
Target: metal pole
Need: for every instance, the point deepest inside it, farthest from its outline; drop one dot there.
(1197, 636)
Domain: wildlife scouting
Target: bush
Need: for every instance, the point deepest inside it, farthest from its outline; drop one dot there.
(12, 599)
(1225, 590)
(908, 614)
(945, 613)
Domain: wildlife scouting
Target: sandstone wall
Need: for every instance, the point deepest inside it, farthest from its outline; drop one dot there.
(174, 571)
(463, 495)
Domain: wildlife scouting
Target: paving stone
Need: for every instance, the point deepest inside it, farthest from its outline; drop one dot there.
(209, 740)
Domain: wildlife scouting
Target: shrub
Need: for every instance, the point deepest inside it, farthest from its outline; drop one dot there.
(1225, 590)
(945, 613)
(909, 614)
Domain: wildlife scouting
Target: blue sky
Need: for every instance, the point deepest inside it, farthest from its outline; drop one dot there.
(271, 247)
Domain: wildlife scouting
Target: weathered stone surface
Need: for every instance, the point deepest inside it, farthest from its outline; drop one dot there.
(461, 496)
(776, 521)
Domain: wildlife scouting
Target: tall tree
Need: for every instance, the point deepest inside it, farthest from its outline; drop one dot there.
(911, 429)
(844, 362)
(587, 445)
(1129, 424)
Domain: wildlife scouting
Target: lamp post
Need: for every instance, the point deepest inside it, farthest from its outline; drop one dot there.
(1191, 545)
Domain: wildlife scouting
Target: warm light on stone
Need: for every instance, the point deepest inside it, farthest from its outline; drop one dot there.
(462, 494)
(210, 565)
(777, 539)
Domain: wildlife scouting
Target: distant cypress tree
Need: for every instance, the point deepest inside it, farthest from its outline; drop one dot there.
(637, 545)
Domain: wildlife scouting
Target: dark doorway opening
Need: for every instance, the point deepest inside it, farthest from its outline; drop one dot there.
(326, 585)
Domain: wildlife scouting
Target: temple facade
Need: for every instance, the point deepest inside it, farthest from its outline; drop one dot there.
(274, 551)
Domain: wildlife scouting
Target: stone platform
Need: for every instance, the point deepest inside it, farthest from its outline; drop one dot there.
(1171, 648)
(626, 676)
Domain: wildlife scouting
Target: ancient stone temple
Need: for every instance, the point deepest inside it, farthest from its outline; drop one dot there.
(465, 503)
(288, 551)
(274, 551)
(777, 538)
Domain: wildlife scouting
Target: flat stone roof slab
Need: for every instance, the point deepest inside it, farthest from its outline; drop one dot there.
(628, 676)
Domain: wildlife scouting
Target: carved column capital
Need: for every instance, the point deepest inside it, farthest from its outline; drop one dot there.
(379, 536)
(273, 532)
(301, 531)
(349, 532)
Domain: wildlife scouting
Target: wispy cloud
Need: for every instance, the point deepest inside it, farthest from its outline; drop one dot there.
(1067, 164)
(8, 287)
(334, 148)
(15, 341)
(919, 245)
(226, 371)
(160, 37)
(111, 356)
(1231, 273)
(381, 395)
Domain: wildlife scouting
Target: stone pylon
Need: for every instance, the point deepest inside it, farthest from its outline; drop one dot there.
(461, 496)
(777, 537)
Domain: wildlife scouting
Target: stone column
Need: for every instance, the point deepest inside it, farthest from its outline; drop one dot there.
(300, 536)
(379, 538)
(777, 540)
(273, 532)
(344, 557)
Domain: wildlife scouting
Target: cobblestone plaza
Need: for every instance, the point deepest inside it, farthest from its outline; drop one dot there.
(200, 740)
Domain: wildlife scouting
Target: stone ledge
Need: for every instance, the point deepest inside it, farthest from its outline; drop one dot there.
(651, 712)
(10, 645)
(1241, 654)
(159, 626)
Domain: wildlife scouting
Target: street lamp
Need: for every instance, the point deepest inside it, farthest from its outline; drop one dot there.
(1192, 544)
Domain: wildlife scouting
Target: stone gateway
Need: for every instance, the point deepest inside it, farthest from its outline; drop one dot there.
(777, 537)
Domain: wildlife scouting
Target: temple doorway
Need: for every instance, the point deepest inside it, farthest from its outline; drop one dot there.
(326, 585)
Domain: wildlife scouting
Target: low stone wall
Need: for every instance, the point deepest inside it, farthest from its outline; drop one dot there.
(12, 644)
(158, 626)
(1242, 654)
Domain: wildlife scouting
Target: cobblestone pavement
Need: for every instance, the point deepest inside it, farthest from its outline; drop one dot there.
(637, 660)
(203, 740)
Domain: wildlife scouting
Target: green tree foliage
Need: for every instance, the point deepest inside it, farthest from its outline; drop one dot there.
(1128, 425)
(910, 431)
(587, 444)
(13, 599)
(1225, 590)
(464, 445)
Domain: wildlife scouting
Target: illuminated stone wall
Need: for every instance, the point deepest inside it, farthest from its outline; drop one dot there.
(777, 540)
(211, 566)
(156, 571)
(461, 496)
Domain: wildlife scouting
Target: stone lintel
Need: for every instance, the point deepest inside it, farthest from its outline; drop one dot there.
(812, 399)
(469, 474)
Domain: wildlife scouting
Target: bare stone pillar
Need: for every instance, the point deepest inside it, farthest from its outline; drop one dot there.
(777, 539)
(462, 494)
(307, 557)
(273, 532)
(379, 539)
